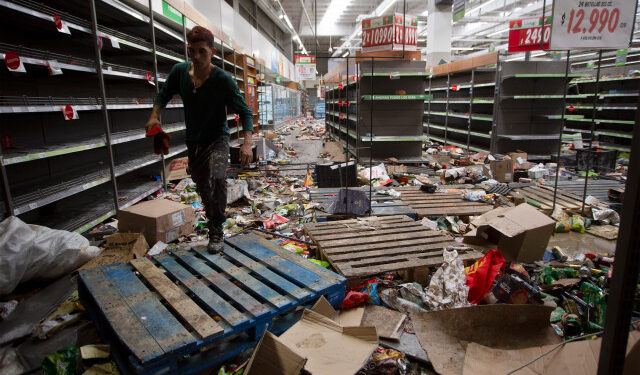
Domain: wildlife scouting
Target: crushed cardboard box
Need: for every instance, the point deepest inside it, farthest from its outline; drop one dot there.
(521, 233)
(580, 357)
(177, 169)
(445, 334)
(159, 220)
(121, 247)
(316, 343)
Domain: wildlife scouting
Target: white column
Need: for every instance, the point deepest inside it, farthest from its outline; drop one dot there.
(439, 26)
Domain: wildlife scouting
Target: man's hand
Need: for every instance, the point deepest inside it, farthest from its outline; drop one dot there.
(151, 123)
(153, 118)
(246, 153)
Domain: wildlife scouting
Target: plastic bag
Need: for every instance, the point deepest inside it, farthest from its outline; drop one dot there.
(577, 224)
(447, 288)
(353, 299)
(391, 298)
(482, 273)
(370, 290)
(33, 252)
(563, 226)
(62, 362)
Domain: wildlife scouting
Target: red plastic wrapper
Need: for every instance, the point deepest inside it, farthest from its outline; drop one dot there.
(353, 299)
(481, 274)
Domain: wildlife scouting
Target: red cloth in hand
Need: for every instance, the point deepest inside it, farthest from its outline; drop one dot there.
(160, 140)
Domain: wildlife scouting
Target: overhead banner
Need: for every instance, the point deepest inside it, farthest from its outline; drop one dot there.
(526, 34)
(305, 67)
(389, 33)
(592, 24)
(458, 9)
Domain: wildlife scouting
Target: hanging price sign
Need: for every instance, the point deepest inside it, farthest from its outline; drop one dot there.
(592, 24)
(526, 34)
(391, 32)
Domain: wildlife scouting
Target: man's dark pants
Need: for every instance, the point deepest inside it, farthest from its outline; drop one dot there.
(208, 164)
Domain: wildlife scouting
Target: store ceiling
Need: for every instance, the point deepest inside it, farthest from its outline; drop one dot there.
(483, 27)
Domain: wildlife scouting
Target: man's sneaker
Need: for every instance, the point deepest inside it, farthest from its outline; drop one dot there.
(215, 246)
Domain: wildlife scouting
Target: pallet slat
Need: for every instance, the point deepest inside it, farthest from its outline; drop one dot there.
(205, 294)
(440, 204)
(360, 252)
(199, 321)
(185, 311)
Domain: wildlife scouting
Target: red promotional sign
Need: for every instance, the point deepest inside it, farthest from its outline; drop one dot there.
(58, 21)
(454, 87)
(393, 32)
(69, 113)
(340, 87)
(571, 108)
(12, 60)
(526, 34)
(341, 116)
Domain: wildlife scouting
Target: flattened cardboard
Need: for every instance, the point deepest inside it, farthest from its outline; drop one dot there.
(272, 357)
(521, 233)
(445, 334)
(121, 247)
(177, 169)
(388, 322)
(502, 171)
(574, 358)
(158, 219)
(329, 347)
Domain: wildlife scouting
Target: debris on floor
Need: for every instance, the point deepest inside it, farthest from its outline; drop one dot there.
(444, 266)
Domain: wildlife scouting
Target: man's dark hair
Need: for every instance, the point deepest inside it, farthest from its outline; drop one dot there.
(200, 34)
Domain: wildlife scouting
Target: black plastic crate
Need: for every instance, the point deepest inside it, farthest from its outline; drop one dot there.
(601, 160)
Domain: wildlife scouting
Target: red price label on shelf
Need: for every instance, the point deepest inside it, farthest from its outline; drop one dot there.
(592, 24)
(454, 87)
(571, 108)
(527, 34)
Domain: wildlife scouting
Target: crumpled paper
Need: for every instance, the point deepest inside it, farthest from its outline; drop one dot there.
(447, 288)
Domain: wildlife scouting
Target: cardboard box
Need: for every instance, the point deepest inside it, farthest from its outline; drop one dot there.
(316, 343)
(177, 169)
(159, 220)
(502, 171)
(521, 233)
(121, 247)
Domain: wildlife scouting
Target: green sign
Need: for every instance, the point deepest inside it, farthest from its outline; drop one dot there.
(621, 57)
(458, 9)
(278, 78)
(171, 12)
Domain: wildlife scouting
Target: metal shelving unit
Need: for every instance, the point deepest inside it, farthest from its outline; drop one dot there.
(60, 179)
(461, 110)
(615, 108)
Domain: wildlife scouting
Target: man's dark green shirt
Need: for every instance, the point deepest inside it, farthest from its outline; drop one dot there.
(204, 107)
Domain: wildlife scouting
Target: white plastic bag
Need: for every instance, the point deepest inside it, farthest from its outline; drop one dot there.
(29, 252)
(237, 189)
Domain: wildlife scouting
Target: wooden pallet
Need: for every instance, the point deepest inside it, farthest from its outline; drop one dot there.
(440, 204)
(597, 188)
(373, 245)
(209, 308)
(543, 196)
(381, 204)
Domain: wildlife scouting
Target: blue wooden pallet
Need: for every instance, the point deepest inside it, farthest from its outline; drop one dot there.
(252, 286)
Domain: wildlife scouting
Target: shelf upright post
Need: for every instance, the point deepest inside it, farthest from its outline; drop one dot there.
(103, 95)
(346, 138)
(371, 138)
(8, 200)
(155, 78)
(496, 102)
(473, 71)
(429, 109)
(562, 121)
(184, 37)
(446, 110)
(357, 97)
(593, 125)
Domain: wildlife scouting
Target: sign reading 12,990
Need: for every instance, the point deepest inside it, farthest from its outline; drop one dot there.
(592, 24)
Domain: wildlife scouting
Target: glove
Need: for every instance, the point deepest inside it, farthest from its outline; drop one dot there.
(160, 140)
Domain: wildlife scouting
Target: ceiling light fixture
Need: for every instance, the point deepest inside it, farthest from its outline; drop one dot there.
(499, 32)
(479, 6)
(334, 11)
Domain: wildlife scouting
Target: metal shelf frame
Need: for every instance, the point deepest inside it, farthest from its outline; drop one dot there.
(438, 112)
(111, 172)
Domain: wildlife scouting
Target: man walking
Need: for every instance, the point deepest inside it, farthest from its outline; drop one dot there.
(206, 91)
